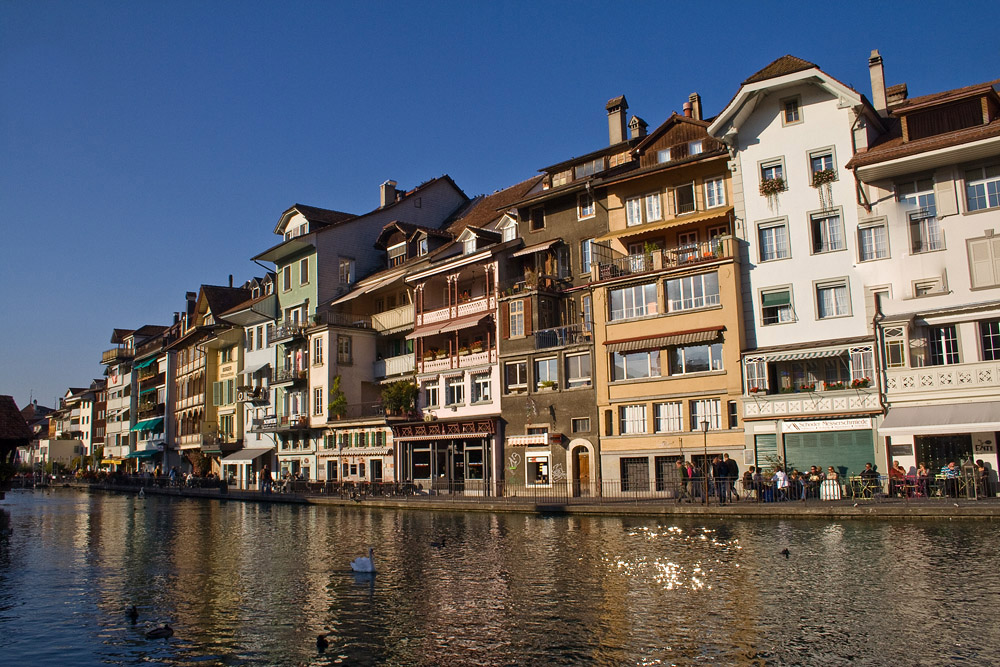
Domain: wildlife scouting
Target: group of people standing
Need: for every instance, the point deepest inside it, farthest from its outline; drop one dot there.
(721, 483)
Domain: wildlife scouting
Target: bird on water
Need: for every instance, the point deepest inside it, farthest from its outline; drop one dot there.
(785, 552)
(363, 564)
(133, 614)
(161, 632)
(321, 642)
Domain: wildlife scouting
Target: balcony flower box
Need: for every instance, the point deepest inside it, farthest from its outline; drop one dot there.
(463, 351)
(758, 390)
(861, 383)
(770, 187)
(441, 355)
(833, 386)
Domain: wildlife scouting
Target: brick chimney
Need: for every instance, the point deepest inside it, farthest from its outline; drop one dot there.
(387, 193)
(616, 119)
(878, 83)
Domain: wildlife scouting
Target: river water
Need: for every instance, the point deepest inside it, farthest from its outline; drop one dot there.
(254, 584)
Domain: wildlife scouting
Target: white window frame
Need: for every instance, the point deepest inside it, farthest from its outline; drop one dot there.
(318, 402)
(652, 365)
(684, 187)
(983, 186)
(317, 355)
(482, 388)
(574, 364)
(696, 147)
(795, 100)
(304, 271)
(826, 232)
(668, 417)
(652, 207)
(706, 409)
(586, 255)
(546, 370)
(827, 156)
(345, 270)
(663, 155)
(585, 210)
(820, 288)
(715, 192)
(432, 394)
(766, 226)
(694, 292)
(454, 391)
(868, 238)
(515, 313)
(522, 384)
(773, 166)
(633, 211)
(643, 307)
(632, 419)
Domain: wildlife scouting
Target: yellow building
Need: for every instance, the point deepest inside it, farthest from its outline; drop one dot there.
(667, 304)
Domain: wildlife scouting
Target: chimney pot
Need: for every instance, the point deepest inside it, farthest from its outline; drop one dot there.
(616, 108)
(694, 99)
(687, 109)
(387, 193)
(877, 75)
(637, 128)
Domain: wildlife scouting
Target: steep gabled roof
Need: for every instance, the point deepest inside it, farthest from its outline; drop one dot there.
(317, 217)
(674, 119)
(13, 429)
(784, 65)
(408, 230)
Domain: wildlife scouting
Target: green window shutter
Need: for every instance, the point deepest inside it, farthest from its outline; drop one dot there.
(216, 393)
(769, 299)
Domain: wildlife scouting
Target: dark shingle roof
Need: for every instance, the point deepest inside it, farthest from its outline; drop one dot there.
(780, 67)
(13, 429)
(488, 208)
(220, 299)
(896, 147)
(324, 216)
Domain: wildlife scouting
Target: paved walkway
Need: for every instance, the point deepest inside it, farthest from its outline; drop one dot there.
(987, 509)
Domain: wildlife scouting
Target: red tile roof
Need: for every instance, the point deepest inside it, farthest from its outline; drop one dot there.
(897, 148)
(780, 67)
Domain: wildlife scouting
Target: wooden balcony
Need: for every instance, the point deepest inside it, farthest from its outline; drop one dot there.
(116, 355)
(483, 304)
(393, 320)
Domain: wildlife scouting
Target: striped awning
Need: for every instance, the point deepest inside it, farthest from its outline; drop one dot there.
(660, 342)
(441, 436)
(812, 354)
(538, 247)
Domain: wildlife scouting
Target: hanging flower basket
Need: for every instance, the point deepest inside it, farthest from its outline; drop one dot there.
(823, 182)
(824, 176)
(772, 186)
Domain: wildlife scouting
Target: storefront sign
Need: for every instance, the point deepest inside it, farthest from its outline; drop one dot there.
(826, 425)
(984, 447)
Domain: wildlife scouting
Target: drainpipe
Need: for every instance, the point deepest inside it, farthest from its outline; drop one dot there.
(879, 346)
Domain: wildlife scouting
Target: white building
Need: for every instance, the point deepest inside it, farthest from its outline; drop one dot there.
(809, 370)
(931, 191)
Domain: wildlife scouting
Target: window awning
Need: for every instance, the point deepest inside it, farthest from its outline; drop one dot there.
(371, 287)
(942, 419)
(143, 454)
(673, 222)
(146, 391)
(812, 354)
(538, 247)
(144, 364)
(451, 325)
(148, 424)
(253, 368)
(660, 342)
(769, 299)
(245, 455)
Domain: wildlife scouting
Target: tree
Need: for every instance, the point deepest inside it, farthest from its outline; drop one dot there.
(338, 401)
(400, 397)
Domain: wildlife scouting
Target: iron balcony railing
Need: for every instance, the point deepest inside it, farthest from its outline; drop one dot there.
(571, 334)
(612, 264)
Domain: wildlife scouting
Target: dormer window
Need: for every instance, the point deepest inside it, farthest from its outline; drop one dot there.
(255, 292)
(397, 254)
(509, 230)
(663, 155)
(562, 178)
(469, 245)
(588, 168)
(695, 147)
(422, 247)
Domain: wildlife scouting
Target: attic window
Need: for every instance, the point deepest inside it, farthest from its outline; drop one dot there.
(469, 245)
(397, 253)
(949, 118)
(509, 231)
(695, 147)
(589, 168)
(561, 178)
(663, 155)
(422, 246)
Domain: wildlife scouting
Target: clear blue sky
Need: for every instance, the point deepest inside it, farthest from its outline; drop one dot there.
(149, 147)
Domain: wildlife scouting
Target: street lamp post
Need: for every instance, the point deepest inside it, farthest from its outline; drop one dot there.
(704, 431)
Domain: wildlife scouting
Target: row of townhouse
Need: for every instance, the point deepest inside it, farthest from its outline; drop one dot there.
(809, 277)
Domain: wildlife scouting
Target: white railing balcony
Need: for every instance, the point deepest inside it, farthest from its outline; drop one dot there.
(397, 318)
(953, 380)
(473, 306)
(477, 358)
(526, 440)
(429, 366)
(480, 304)
(862, 400)
(391, 366)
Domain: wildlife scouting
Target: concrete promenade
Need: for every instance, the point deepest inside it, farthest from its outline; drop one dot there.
(892, 509)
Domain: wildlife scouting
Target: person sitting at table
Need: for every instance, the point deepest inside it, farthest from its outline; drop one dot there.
(897, 477)
(923, 481)
(797, 485)
(813, 480)
(950, 473)
(869, 481)
(829, 488)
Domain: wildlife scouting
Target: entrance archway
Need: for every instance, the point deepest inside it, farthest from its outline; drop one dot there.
(583, 468)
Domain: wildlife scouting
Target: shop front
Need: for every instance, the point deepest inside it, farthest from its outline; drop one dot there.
(242, 468)
(449, 457)
(845, 444)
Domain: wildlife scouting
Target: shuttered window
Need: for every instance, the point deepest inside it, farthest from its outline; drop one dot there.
(984, 261)
(846, 451)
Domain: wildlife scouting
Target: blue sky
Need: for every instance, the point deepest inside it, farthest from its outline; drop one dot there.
(147, 148)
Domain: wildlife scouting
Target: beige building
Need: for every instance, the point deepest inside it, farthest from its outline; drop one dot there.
(666, 309)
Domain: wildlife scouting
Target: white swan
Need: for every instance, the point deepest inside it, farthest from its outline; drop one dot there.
(362, 564)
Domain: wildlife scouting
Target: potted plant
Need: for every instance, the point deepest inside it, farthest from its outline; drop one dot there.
(547, 385)
(477, 346)
(770, 188)
(430, 354)
(440, 354)
(757, 390)
(823, 182)
(832, 386)
(463, 351)
(338, 400)
(399, 397)
(861, 382)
